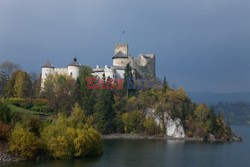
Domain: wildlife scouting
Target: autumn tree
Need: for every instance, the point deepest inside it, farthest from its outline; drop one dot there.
(19, 85)
(58, 89)
(23, 143)
(201, 113)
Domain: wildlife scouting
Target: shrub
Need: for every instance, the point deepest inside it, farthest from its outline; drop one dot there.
(33, 123)
(69, 137)
(59, 147)
(23, 143)
(4, 131)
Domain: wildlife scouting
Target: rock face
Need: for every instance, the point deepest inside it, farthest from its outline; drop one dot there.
(174, 128)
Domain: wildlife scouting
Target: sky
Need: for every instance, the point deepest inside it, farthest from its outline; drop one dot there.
(201, 45)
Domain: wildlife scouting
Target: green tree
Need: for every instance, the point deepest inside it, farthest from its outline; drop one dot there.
(128, 76)
(165, 83)
(104, 111)
(83, 96)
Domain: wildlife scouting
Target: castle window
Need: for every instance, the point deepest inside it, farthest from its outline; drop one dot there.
(46, 74)
(71, 74)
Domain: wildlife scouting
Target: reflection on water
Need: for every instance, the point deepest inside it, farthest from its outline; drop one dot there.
(154, 153)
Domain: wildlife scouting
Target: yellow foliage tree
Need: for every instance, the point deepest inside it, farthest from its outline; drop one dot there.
(23, 143)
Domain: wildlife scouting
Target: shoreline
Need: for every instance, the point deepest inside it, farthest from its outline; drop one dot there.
(137, 136)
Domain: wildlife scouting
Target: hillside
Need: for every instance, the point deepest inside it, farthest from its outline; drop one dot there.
(213, 98)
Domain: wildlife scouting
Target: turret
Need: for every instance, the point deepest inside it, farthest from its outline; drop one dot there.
(73, 69)
(47, 69)
(120, 57)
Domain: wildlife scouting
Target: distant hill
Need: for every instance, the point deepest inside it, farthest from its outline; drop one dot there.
(213, 98)
(234, 112)
(234, 106)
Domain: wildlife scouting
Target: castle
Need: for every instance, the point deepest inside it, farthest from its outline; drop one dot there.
(143, 66)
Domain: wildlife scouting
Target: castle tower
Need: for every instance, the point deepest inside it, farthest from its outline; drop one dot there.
(47, 69)
(73, 69)
(120, 58)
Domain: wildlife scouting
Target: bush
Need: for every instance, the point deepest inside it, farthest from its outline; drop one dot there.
(59, 147)
(33, 123)
(23, 143)
(4, 131)
(69, 137)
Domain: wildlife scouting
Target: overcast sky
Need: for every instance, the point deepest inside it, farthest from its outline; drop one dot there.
(201, 45)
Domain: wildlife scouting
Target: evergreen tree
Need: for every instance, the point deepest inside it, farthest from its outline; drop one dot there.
(3, 82)
(85, 97)
(165, 83)
(104, 111)
(129, 84)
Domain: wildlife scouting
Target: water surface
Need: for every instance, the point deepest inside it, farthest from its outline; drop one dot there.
(158, 153)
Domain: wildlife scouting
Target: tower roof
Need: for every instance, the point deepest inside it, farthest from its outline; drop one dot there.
(48, 65)
(120, 55)
(74, 63)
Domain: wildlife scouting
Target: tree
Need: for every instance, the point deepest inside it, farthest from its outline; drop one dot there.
(133, 121)
(129, 84)
(9, 67)
(3, 82)
(23, 143)
(176, 99)
(84, 97)
(150, 126)
(19, 85)
(201, 113)
(165, 83)
(104, 111)
(23, 85)
(58, 90)
(68, 137)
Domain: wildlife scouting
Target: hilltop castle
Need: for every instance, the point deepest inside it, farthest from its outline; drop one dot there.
(143, 66)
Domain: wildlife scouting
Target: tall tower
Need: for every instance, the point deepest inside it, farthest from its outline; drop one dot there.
(47, 69)
(121, 55)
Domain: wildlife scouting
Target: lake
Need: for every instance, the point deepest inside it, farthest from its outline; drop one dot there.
(158, 153)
